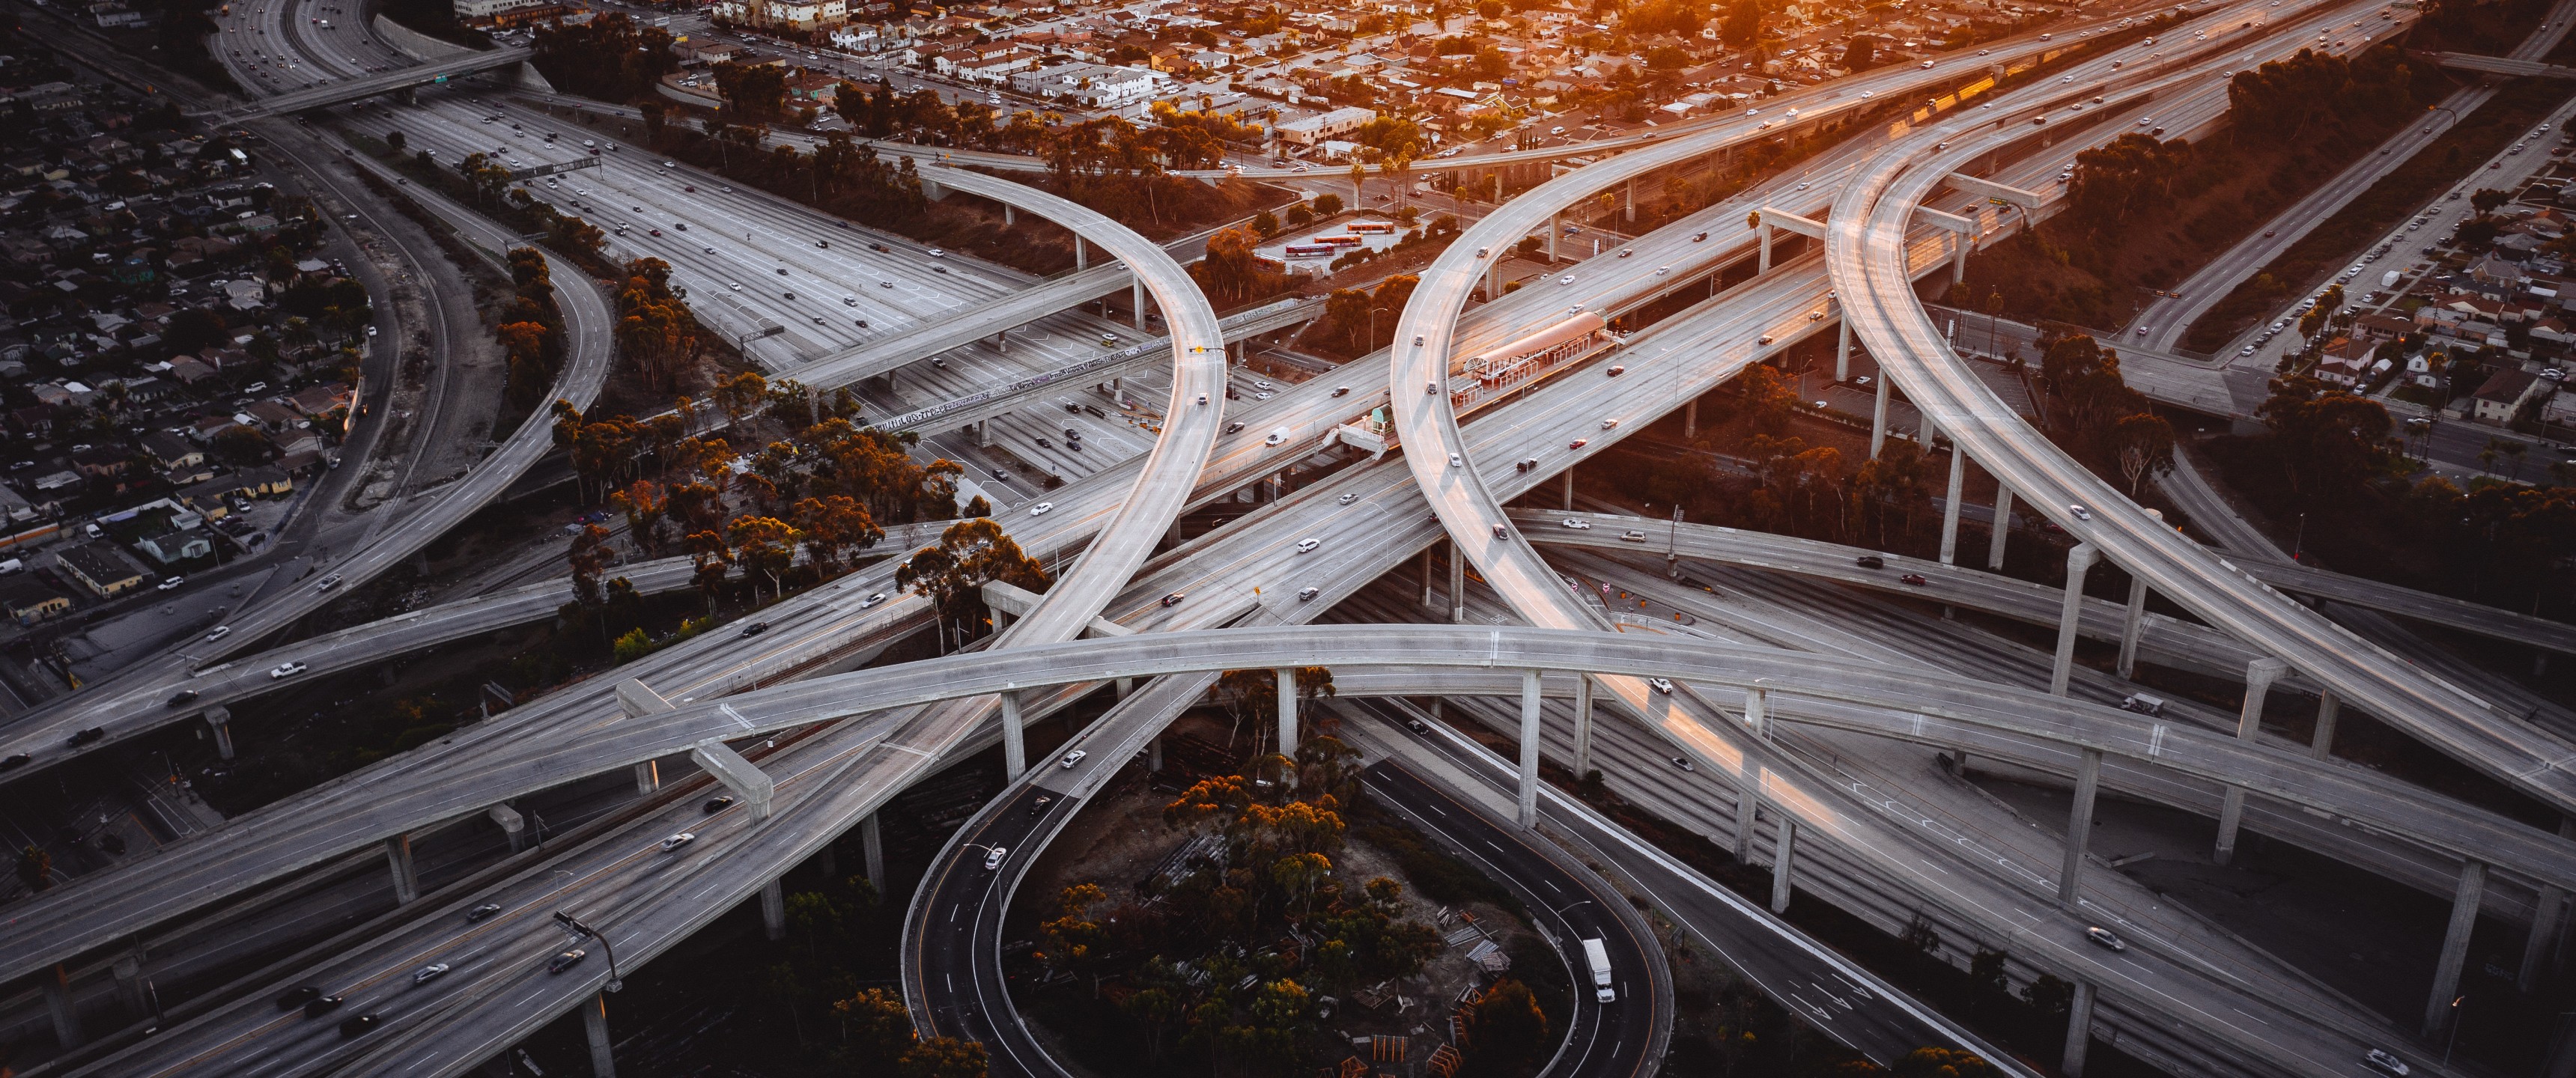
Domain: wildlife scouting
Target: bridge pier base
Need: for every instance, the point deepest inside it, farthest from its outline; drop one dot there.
(1950, 505)
(406, 881)
(1842, 350)
(59, 1004)
(594, 1027)
(1014, 750)
(513, 825)
(2079, 1031)
(1878, 417)
(2079, 827)
(1690, 418)
(1528, 814)
(1582, 725)
(219, 721)
(2133, 625)
(1784, 845)
(872, 852)
(2455, 946)
(2329, 708)
(2259, 676)
(1288, 740)
(2002, 527)
(2079, 560)
(773, 909)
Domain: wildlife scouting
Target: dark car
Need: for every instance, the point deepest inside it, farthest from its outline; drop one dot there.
(322, 1005)
(361, 1025)
(1174, 599)
(297, 997)
(2106, 938)
(1417, 726)
(1039, 806)
(15, 761)
(718, 804)
(1870, 561)
(566, 960)
(182, 696)
(755, 628)
(1915, 579)
(94, 733)
(480, 912)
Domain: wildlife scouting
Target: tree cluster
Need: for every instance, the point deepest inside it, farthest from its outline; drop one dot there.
(531, 329)
(2095, 415)
(969, 555)
(610, 57)
(1232, 274)
(655, 330)
(1355, 322)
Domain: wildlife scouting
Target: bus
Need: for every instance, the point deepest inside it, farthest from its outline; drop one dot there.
(1338, 241)
(1380, 227)
(1310, 250)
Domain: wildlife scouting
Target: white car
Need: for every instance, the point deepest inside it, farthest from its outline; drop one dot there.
(172, 584)
(1576, 524)
(1661, 685)
(872, 600)
(2080, 512)
(1040, 509)
(1307, 546)
(1071, 758)
(1632, 537)
(993, 857)
(221, 631)
(2383, 1061)
(676, 841)
(1609, 424)
(285, 670)
(1567, 279)
(1350, 497)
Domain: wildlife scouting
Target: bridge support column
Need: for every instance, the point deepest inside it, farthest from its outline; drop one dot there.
(1555, 227)
(1426, 575)
(2329, 708)
(1960, 246)
(872, 852)
(2133, 625)
(2079, 1031)
(1136, 294)
(2002, 527)
(1842, 350)
(513, 825)
(1009, 216)
(1878, 417)
(1757, 711)
(2455, 946)
(1288, 739)
(2079, 827)
(648, 777)
(1081, 253)
(406, 881)
(1569, 488)
(1582, 725)
(1764, 264)
(2552, 909)
(2259, 676)
(1494, 279)
(1784, 844)
(594, 1026)
(58, 1003)
(128, 971)
(1457, 585)
(984, 434)
(1690, 418)
(1748, 814)
(2078, 561)
(1528, 814)
(773, 909)
(1014, 751)
(1950, 505)
(1629, 200)
(1154, 754)
(219, 721)
(1118, 391)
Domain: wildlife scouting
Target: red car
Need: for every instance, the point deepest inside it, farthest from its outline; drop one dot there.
(689, 187)
(653, 231)
(1915, 579)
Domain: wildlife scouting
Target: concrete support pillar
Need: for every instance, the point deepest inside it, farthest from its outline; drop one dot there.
(1494, 279)
(594, 1025)
(2455, 946)
(2259, 676)
(1842, 350)
(1763, 265)
(1426, 576)
(1690, 418)
(2002, 527)
(1081, 253)
(1878, 416)
(1154, 754)
(1783, 844)
(1015, 753)
(1748, 813)
(1555, 227)
(1757, 711)
(58, 1002)
(1569, 488)
(1136, 302)
(1950, 505)
(219, 721)
(1125, 685)
(2551, 909)
(984, 434)
(2079, 827)
(1959, 248)
(872, 852)
(1628, 209)
(1528, 814)
(773, 909)
(648, 777)
(1009, 216)
(1927, 433)
(512, 824)
(2133, 625)
(1288, 739)
(128, 971)
(1457, 586)
(1118, 391)
(2329, 708)
(2078, 561)
(2079, 1031)
(406, 881)
(1582, 725)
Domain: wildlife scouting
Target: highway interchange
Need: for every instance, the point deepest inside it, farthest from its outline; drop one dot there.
(833, 775)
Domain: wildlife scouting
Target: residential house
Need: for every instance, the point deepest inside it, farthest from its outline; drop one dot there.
(31, 600)
(2346, 361)
(2504, 393)
(101, 568)
(177, 547)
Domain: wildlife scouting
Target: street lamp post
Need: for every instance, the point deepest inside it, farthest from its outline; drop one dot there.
(1372, 337)
(574, 923)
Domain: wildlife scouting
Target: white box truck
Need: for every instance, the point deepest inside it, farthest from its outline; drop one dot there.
(1599, 957)
(2389, 278)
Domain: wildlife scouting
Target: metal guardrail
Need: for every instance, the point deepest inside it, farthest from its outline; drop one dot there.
(972, 401)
